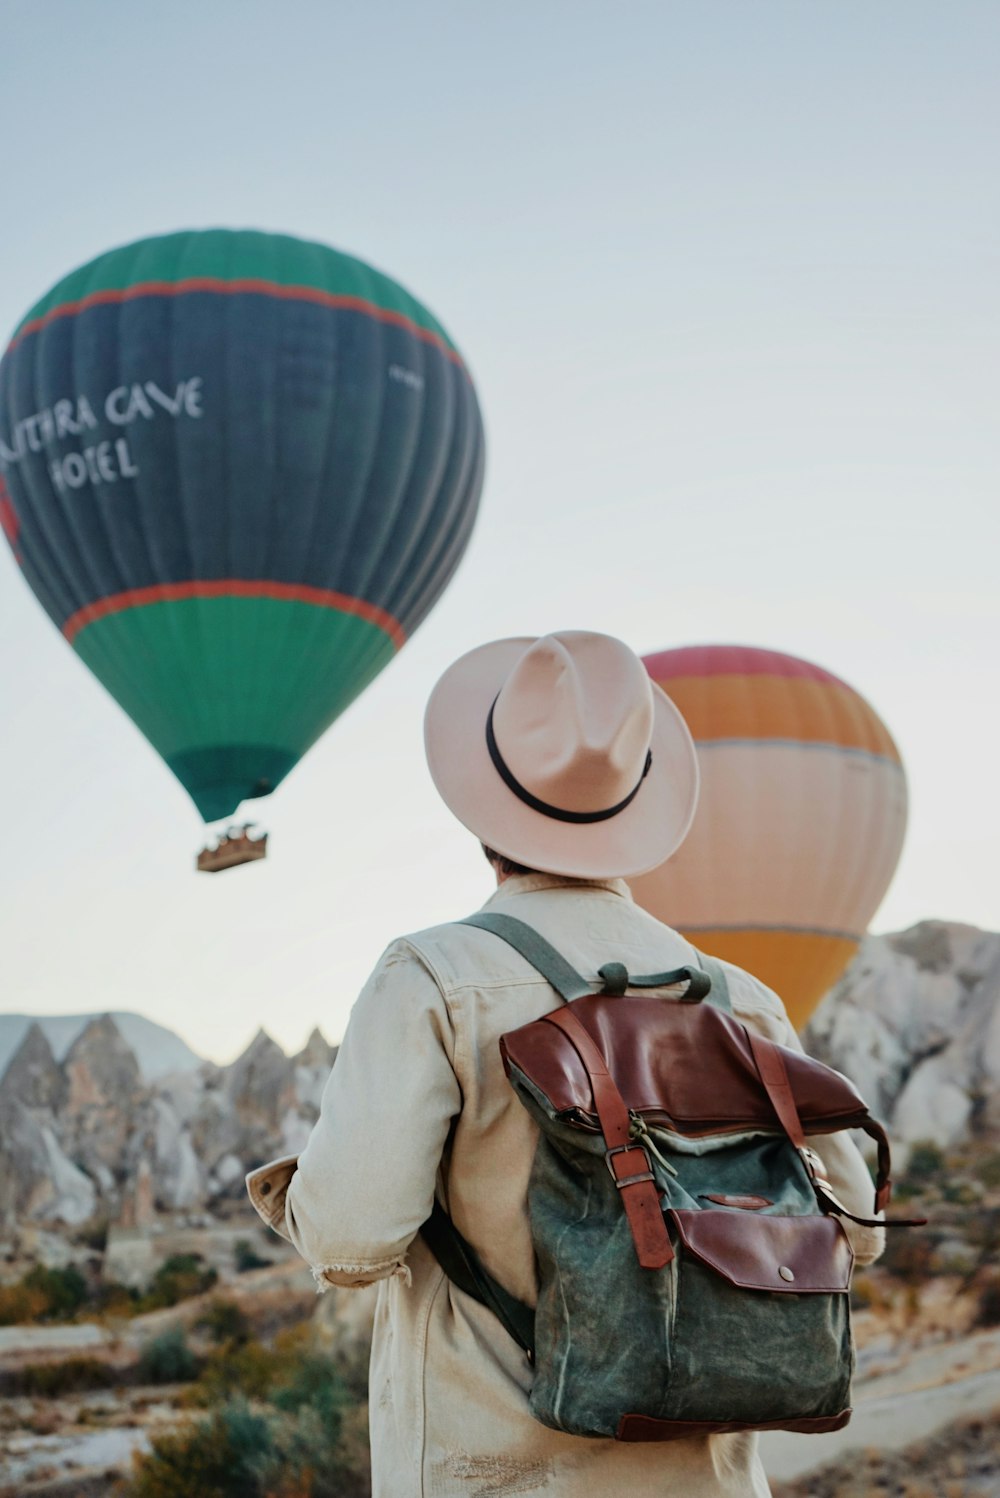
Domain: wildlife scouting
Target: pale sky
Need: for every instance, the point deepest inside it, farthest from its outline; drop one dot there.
(727, 277)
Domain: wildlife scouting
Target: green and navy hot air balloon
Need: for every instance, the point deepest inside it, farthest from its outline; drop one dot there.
(237, 470)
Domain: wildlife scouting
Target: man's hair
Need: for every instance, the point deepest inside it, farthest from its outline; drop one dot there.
(505, 865)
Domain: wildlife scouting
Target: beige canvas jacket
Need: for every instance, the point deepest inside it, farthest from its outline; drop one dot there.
(418, 1101)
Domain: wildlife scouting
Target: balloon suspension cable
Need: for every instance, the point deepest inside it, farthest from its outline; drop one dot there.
(231, 848)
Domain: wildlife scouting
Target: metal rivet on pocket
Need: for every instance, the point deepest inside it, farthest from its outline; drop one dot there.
(785, 1272)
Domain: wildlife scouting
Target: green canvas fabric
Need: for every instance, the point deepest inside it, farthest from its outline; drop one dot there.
(680, 1343)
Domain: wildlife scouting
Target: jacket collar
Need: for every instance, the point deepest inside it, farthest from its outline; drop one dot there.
(525, 884)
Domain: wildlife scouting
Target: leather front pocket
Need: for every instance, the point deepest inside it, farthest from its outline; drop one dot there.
(784, 1255)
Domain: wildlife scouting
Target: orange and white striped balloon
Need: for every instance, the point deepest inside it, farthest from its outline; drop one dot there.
(800, 821)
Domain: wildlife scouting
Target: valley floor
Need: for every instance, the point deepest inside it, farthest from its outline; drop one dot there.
(926, 1422)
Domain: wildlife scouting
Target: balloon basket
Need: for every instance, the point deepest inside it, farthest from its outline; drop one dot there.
(233, 847)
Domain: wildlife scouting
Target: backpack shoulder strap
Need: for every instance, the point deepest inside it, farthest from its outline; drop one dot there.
(464, 1268)
(533, 947)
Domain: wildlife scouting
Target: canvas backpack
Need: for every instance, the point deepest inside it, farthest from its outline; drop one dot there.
(693, 1270)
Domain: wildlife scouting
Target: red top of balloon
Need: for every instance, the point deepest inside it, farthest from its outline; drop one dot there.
(732, 660)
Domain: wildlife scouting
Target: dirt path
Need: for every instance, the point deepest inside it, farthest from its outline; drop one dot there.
(903, 1401)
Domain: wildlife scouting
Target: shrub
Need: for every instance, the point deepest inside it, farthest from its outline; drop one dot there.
(178, 1278)
(983, 1231)
(988, 1170)
(226, 1324)
(246, 1257)
(911, 1258)
(863, 1294)
(250, 1370)
(43, 1295)
(313, 1455)
(114, 1298)
(314, 1381)
(65, 1290)
(168, 1359)
(309, 1460)
(50, 1380)
(20, 1303)
(926, 1162)
(214, 1458)
(310, 1444)
(988, 1306)
(962, 1192)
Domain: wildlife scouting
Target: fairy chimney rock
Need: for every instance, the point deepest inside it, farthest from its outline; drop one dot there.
(33, 1077)
(317, 1051)
(261, 1083)
(312, 1070)
(101, 1068)
(103, 1100)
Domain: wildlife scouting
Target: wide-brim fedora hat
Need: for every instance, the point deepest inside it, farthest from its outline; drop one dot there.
(560, 753)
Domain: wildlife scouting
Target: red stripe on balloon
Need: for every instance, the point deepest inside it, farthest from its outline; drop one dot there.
(732, 660)
(133, 598)
(249, 285)
(9, 523)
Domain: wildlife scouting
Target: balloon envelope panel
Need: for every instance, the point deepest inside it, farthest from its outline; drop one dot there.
(237, 470)
(800, 820)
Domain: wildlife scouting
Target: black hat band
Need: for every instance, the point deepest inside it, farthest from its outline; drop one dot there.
(556, 812)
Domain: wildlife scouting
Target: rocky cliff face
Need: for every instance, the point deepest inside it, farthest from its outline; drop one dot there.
(87, 1137)
(915, 1023)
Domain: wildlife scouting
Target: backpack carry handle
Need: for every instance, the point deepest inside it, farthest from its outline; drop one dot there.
(617, 978)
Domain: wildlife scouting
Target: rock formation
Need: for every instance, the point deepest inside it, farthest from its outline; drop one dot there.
(88, 1138)
(312, 1067)
(33, 1078)
(38, 1182)
(915, 1023)
(37, 1178)
(104, 1099)
(158, 1050)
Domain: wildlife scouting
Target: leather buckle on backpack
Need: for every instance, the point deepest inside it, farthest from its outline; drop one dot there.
(622, 1149)
(814, 1165)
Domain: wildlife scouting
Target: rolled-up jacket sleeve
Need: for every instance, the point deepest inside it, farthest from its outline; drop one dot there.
(365, 1181)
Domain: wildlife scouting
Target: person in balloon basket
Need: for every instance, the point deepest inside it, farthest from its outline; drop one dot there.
(575, 771)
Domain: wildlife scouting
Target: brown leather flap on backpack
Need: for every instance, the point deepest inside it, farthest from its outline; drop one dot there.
(787, 1255)
(688, 1065)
